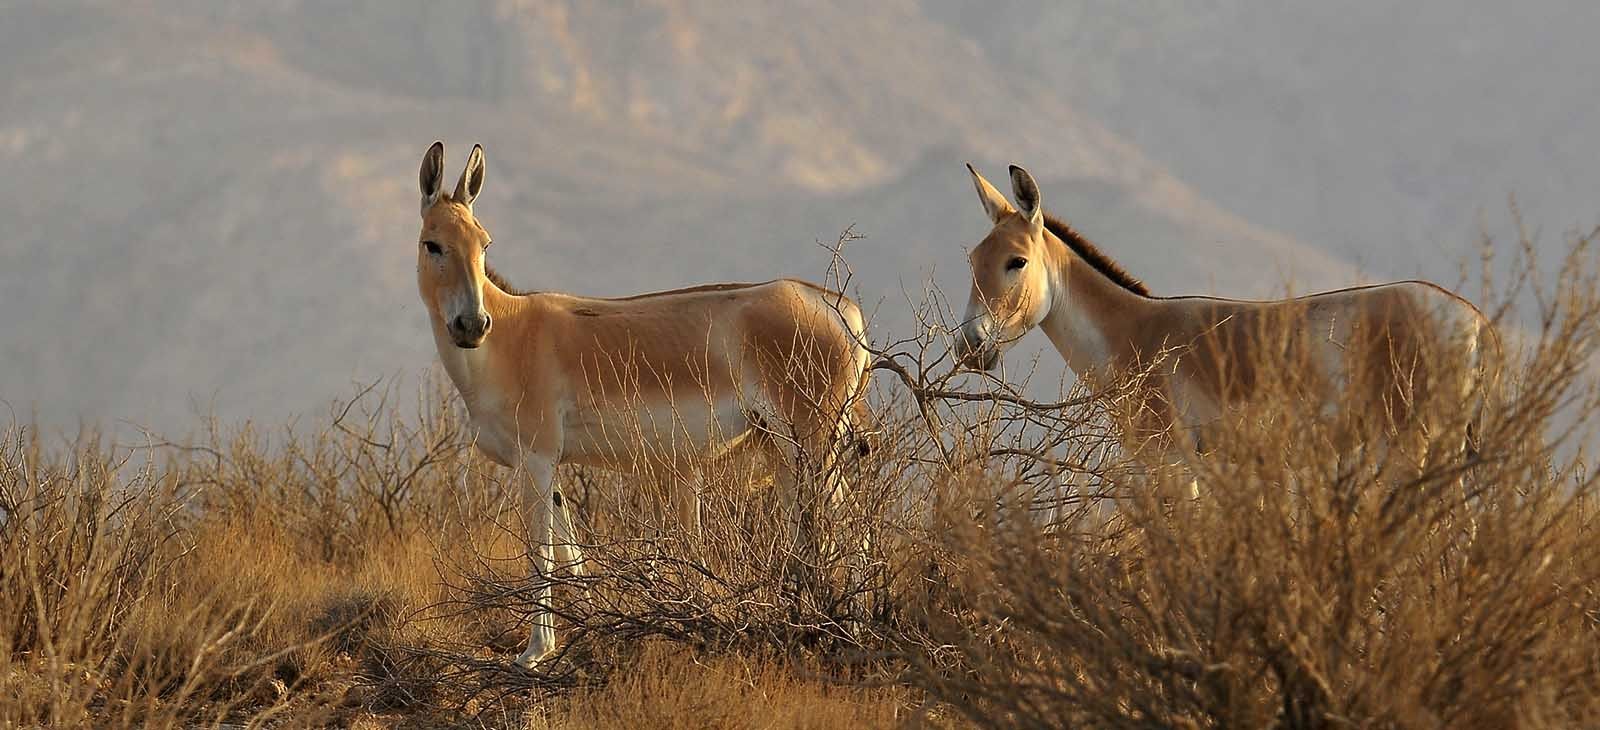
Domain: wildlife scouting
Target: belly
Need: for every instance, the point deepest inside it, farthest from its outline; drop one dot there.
(648, 435)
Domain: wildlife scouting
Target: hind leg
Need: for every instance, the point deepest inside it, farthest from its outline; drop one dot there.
(686, 498)
(790, 460)
(567, 553)
(799, 509)
(815, 498)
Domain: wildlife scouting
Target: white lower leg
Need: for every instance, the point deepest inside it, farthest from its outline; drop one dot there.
(689, 509)
(567, 553)
(542, 635)
(538, 516)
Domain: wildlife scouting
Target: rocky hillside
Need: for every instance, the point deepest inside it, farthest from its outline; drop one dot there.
(215, 207)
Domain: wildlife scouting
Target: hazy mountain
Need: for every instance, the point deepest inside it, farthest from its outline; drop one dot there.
(216, 202)
(1382, 132)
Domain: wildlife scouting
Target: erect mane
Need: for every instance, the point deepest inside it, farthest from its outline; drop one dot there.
(1092, 254)
(499, 281)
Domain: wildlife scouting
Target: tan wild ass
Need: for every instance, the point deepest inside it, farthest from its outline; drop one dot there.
(1033, 270)
(648, 384)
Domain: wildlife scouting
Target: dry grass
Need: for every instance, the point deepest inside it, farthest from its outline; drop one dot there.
(1020, 570)
(670, 688)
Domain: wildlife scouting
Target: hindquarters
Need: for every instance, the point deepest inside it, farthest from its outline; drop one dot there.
(1414, 367)
(805, 355)
(1406, 358)
(1425, 364)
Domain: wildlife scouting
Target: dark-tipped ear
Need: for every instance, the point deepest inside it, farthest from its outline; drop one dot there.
(431, 177)
(1026, 191)
(994, 203)
(471, 182)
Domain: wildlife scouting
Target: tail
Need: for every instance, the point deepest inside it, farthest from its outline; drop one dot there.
(1486, 386)
(861, 433)
(863, 436)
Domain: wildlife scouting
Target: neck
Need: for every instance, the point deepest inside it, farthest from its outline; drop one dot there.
(499, 302)
(1089, 313)
(467, 367)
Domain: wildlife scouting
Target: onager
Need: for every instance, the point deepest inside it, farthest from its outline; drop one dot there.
(1399, 343)
(651, 384)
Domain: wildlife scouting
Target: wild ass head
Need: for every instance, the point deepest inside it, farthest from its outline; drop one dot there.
(451, 247)
(1011, 273)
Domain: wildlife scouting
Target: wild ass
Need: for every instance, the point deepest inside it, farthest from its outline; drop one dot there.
(1402, 342)
(651, 384)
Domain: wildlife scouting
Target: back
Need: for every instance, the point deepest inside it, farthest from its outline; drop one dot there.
(687, 342)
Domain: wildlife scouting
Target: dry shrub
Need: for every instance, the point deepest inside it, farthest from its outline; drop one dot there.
(748, 582)
(229, 580)
(1302, 589)
(998, 562)
(95, 623)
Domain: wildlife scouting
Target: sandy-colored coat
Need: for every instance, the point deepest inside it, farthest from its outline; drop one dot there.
(653, 384)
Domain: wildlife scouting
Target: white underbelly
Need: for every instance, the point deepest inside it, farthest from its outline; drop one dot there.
(629, 438)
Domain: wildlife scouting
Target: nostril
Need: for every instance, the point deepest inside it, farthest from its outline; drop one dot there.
(470, 324)
(486, 321)
(967, 340)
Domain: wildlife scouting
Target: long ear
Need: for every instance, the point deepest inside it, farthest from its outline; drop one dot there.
(993, 202)
(1027, 195)
(431, 177)
(471, 182)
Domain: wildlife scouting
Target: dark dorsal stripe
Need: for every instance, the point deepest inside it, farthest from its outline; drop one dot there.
(495, 278)
(1091, 254)
(500, 281)
(686, 290)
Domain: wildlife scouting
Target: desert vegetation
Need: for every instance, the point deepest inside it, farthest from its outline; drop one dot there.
(1000, 562)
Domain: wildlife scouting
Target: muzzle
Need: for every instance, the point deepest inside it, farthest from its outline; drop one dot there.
(468, 330)
(973, 349)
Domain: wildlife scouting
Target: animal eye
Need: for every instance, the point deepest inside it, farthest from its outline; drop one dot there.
(1015, 263)
(433, 248)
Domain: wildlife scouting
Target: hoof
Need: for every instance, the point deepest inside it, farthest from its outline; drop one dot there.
(540, 646)
(528, 660)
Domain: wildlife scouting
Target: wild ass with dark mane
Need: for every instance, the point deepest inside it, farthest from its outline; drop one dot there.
(1400, 343)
